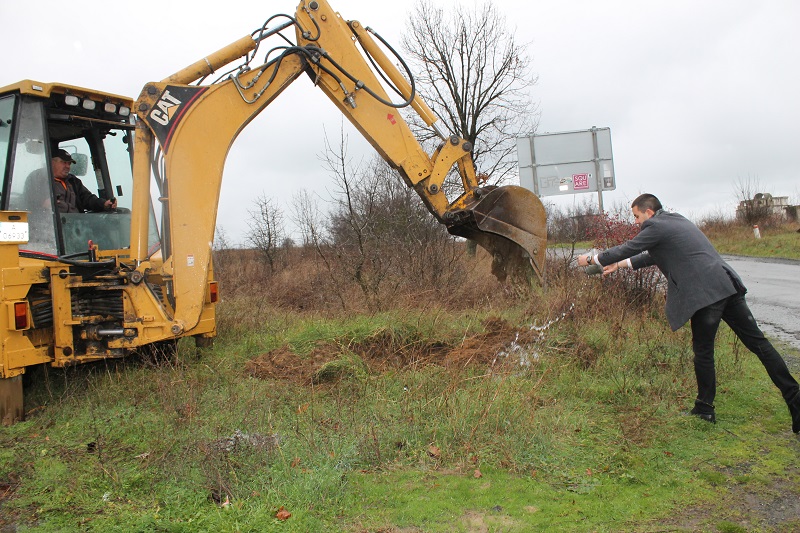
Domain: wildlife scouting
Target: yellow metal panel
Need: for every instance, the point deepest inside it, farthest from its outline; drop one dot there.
(62, 315)
(20, 353)
(140, 208)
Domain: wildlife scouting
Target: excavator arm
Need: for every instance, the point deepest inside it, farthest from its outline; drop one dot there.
(185, 130)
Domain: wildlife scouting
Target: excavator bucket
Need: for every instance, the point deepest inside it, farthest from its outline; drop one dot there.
(511, 224)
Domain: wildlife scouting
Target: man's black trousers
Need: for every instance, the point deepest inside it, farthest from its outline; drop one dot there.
(735, 312)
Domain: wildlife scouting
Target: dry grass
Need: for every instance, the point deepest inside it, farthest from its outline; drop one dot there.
(305, 283)
(779, 238)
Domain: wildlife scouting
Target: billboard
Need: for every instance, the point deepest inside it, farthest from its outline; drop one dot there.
(567, 162)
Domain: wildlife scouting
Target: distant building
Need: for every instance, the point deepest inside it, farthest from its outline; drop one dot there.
(764, 205)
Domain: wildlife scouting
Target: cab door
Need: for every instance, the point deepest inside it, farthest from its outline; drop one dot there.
(26, 184)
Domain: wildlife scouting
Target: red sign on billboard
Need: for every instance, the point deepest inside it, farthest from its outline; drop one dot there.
(580, 181)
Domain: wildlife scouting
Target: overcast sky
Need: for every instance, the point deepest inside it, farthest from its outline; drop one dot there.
(698, 94)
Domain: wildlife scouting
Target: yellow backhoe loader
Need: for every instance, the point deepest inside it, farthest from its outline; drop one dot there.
(83, 286)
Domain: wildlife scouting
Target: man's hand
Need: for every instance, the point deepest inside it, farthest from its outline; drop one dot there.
(110, 204)
(583, 260)
(610, 269)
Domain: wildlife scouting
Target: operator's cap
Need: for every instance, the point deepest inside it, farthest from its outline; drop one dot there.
(63, 155)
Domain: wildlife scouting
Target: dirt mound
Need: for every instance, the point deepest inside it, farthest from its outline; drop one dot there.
(283, 364)
(384, 351)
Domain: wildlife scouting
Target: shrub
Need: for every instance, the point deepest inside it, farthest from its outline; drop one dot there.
(635, 286)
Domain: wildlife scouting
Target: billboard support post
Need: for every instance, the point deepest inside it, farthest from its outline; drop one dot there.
(598, 176)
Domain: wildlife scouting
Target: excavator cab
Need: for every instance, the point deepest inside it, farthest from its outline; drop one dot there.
(95, 129)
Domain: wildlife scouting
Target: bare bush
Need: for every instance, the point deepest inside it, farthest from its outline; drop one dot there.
(716, 218)
(377, 235)
(218, 252)
(636, 286)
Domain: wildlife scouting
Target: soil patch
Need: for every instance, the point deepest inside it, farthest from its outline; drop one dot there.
(384, 351)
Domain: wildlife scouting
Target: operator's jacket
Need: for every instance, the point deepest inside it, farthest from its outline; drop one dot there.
(696, 274)
(72, 196)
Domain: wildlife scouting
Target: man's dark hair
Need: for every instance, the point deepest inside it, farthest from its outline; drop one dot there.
(646, 201)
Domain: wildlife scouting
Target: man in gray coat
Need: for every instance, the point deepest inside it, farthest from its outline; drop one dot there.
(701, 288)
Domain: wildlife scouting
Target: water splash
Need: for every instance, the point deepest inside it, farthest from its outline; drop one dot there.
(529, 351)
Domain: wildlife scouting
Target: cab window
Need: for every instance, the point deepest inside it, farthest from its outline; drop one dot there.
(109, 230)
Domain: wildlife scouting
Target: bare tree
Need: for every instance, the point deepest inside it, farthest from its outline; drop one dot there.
(752, 209)
(351, 221)
(266, 231)
(475, 77)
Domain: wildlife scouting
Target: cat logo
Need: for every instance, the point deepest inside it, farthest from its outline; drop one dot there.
(165, 108)
(173, 104)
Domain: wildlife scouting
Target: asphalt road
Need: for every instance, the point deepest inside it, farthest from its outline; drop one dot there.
(773, 294)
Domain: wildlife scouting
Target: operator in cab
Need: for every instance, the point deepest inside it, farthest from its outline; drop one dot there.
(70, 193)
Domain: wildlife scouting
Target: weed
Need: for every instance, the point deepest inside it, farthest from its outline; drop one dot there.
(730, 527)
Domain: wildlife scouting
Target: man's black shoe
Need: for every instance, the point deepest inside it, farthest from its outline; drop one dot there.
(708, 417)
(794, 410)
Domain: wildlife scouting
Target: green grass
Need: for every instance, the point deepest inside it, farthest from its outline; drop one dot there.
(588, 437)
